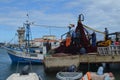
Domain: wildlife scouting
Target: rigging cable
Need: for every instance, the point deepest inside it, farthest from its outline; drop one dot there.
(12, 38)
(49, 26)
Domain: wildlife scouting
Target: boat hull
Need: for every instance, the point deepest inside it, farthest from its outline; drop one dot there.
(18, 76)
(23, 59)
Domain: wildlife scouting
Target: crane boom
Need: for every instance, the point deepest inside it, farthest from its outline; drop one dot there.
(49, 26)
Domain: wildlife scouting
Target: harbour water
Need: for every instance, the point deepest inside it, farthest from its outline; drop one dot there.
(7, 68)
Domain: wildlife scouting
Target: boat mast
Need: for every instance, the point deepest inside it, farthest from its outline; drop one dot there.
(28, 34)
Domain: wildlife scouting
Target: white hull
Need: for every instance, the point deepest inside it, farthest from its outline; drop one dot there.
(17, 76)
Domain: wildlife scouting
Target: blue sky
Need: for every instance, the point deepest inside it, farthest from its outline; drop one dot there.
(98, 15)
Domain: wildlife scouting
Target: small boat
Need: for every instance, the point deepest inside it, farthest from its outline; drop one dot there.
(99, 75)
(25, 74)
(69, 75)
(18, 76)
(95, 76)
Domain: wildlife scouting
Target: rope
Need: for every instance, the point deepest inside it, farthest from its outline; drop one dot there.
(93, 29)
(12, 38)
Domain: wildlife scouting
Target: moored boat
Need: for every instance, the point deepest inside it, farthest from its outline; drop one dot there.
(83, 49)
(99, 75)
(69, 75)
(18, 76)
(95, 76)
(23, 52)
(24, 74)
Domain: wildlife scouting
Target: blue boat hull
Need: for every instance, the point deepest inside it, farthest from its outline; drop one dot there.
(16, 59)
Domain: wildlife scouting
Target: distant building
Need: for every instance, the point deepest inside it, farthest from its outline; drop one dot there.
(51, 37)
(40, 42)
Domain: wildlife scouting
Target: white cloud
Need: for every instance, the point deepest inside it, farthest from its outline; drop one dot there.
(57, 19)
(98, 14)
(103, 13)
(15, 18)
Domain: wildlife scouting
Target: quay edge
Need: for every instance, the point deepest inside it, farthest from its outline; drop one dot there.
(59, 63)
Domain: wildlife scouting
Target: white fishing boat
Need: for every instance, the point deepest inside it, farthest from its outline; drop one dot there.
(18, 76)
(25, 74)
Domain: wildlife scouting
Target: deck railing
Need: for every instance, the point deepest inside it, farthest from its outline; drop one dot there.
(110, 50)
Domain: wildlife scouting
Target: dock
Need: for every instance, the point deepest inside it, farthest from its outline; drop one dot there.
(53, 63)
(110, 54)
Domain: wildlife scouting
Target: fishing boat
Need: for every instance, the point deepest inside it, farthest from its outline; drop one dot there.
(23, 51)
(25, 74)
(83, 49)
